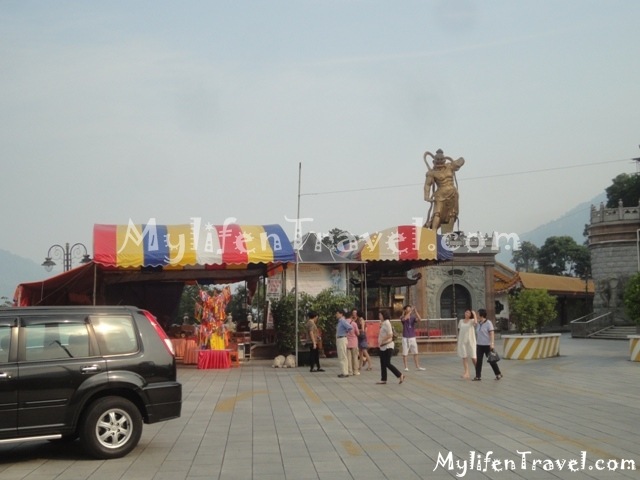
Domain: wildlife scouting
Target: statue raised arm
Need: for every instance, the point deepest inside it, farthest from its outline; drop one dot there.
(440, 189)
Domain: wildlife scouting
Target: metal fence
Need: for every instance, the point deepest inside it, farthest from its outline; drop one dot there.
(585, 326)
(435, 328)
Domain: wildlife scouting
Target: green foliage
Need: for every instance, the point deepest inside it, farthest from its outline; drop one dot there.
(237, 306)
(324, 304)
(632, 299)
(337, 236)
(533, 309)
(284, 320)
(187, 303)
(625, 187)
(563, 256)
(526, 259)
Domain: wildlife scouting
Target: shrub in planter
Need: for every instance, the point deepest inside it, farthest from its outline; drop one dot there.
(284, 320)
(325, 304)
(632, 300)
(533, 309)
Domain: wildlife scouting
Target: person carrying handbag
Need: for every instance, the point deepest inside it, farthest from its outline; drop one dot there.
(386, 344)
(484, 345)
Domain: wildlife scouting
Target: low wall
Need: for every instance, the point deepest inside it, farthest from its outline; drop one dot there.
(634, 348)
(531, 347)
(437, 345)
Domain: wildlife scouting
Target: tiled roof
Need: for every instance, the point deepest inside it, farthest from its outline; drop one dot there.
(555, 283)
(505, 279)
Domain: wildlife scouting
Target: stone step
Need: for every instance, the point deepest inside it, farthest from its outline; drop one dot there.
(616, 332)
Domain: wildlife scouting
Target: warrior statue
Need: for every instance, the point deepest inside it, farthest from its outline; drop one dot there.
(441, 190)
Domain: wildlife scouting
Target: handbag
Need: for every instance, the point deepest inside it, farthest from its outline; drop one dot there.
(493, 357)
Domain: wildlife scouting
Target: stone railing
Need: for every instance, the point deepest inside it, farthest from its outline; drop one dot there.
(586, 326)
(602, 214)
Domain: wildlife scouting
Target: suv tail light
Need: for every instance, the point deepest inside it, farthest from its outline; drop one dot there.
(161, 333)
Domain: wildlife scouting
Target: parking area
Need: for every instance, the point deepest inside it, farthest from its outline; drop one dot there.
(573, 416)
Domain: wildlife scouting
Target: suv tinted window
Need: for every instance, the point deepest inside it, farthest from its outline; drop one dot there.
(116, 334)
(5, 340)
(53, 341)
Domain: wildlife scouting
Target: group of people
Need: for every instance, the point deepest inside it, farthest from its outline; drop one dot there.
(352, 345)
(475, 341)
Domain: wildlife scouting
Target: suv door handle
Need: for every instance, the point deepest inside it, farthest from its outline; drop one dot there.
(90, 369)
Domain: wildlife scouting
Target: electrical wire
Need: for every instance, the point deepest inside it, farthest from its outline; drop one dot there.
(405, 185)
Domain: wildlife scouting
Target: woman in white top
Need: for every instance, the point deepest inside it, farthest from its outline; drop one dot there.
(386, 345)
(467, 340)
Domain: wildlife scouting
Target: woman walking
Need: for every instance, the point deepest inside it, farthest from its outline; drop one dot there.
(386, 343)
(485, 343)
(467, 340)
(363, 345)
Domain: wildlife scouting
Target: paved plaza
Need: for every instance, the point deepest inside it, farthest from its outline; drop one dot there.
(577, 415)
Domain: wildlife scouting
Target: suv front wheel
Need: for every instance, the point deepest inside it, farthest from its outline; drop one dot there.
(111, 428)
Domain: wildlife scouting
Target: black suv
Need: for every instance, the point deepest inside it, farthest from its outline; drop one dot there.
(96, 373)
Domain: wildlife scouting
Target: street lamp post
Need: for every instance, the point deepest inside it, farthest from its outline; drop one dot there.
(66, 254)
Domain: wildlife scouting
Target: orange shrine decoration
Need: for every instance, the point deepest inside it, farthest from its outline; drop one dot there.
(211, 311)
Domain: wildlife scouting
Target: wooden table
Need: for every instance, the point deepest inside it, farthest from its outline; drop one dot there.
(214, 359)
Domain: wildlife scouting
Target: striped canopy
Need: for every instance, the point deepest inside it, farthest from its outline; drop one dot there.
(404, 242)
(152, 245)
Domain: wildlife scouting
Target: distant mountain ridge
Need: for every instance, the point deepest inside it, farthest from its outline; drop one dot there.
(15, 270)
(571, 223)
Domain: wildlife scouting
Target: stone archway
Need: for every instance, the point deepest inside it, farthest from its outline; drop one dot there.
(462, 301)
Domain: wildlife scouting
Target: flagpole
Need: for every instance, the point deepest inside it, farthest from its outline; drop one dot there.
(296, 249)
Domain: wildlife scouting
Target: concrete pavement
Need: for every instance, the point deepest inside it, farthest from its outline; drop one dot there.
(575, 412)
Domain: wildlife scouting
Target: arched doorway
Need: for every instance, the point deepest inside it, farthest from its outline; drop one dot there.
(462, 301)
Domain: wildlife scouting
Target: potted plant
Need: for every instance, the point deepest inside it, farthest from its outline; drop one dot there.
(533, 309)
(632, 309)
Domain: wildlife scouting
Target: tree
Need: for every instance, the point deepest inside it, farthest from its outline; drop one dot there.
(625, 187)
(325, 305)
(242, 304)
(526, 259)
(563, 256)
(237, 306)
(188, 299)
(632, 299)
(582, 261)
(533, 309)
(337, 237)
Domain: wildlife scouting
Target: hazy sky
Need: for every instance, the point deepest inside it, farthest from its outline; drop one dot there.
(120, 110)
